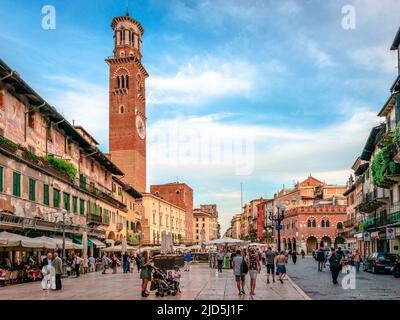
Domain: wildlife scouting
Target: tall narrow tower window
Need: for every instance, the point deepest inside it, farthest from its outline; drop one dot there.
(121, 109)
(118, 82)
(126, 82)
(122, 82)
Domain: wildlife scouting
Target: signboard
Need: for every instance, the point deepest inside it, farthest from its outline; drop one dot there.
(390, 233)
(367, 236)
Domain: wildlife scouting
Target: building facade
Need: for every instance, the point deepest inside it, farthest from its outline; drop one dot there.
(161, 215)
(48, 165)
(181, 195)
(205, 223)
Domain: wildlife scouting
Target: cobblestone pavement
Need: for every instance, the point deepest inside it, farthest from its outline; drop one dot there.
(201, 283)
(318, 285)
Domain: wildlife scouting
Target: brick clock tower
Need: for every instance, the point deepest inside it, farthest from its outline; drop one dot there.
(127, 136)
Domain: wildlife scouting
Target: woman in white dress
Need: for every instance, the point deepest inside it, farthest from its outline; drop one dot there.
(48, 273)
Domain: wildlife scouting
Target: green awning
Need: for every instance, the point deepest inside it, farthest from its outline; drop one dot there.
(79, 240)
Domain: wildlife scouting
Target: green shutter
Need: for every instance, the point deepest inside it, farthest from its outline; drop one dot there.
(56, 198)
(74, 204)
(32, 189)
(1, 179)
(16, 184)
(82, 207)
(66, 201)
(83, 181)
(46, 197)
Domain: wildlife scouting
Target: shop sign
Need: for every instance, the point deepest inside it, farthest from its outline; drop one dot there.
(367, 236)
(390, 233)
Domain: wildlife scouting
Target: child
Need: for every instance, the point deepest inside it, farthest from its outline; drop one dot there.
(177, 278)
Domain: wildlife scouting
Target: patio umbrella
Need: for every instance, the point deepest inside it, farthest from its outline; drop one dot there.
(227, 241)
(48, 243)
(16, 240)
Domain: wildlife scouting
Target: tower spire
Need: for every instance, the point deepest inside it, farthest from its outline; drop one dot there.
(127, 11)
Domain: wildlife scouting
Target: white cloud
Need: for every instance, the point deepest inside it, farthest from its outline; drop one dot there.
(281, 155)
(375, 58)
(83, 102)
(321, 58)
(200, 80)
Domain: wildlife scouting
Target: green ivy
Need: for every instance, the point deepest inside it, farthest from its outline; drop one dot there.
(8, 144)
(31, 156)
(396, 135)
(383, 164)
(63, 166)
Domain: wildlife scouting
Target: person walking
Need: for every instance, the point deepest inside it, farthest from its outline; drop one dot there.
(57, 265)
(48, 281)
(138, 261)
(125, 262)
(254, 269)
(270, 261)
(238, 271)
(77, 264)
(302, 253)
(114, 263)
(145, 274)
(105, 262)
(280, 262)
(263, 261)
(320, 259)
(92, 264)
(335, 264)
(294, 257)
(220, 260)
(357, 260)
(188, 259)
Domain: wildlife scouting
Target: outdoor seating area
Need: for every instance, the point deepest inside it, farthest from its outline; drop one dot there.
(21, 256)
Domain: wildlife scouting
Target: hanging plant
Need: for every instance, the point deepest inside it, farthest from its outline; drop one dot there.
(63, 166)
(383, 164)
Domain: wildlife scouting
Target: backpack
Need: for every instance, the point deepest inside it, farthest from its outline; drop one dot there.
(245, 267)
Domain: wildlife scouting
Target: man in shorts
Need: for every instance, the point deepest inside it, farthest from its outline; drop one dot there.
(270, 260)
(237, 263)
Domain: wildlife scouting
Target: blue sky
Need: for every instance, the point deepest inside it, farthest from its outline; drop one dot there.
(283, 76)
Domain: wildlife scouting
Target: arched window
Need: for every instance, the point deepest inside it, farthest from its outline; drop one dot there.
(339, 225)
(323, 223)
(327, 224)
(118, 82)
(122, 82)
(314, 224)
(126, 82)
(309, 223)
(121, 109)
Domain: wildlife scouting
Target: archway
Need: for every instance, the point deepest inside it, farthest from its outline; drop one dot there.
(111, 235)
(294, 245)
(284, 244)
(138, 226)
(312, 244)
(326, 242)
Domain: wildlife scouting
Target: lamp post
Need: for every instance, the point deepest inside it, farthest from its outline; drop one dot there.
(280, 215)
(64, 219)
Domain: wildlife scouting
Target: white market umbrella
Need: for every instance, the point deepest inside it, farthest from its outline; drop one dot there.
(227, 241)
(16, 240)
(48, 243)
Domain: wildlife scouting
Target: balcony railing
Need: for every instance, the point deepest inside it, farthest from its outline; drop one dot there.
(349, 223)
(95, 219)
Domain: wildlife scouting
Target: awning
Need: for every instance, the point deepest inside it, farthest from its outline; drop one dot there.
(68, 244)
(79, 240)
(8, 239)
(119, 249)
(358, 235)
(97, 243)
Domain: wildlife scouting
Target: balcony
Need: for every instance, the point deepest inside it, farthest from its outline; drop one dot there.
(349, 223)
(373, 200)
(95, 219)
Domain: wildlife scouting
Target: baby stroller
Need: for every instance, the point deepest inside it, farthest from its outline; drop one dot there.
(160, 284)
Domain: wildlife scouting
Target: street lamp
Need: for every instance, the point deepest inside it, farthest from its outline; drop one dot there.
(277, 219)
(64, 219)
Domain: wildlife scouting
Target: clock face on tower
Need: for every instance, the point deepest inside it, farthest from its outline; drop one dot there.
(140, 127)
